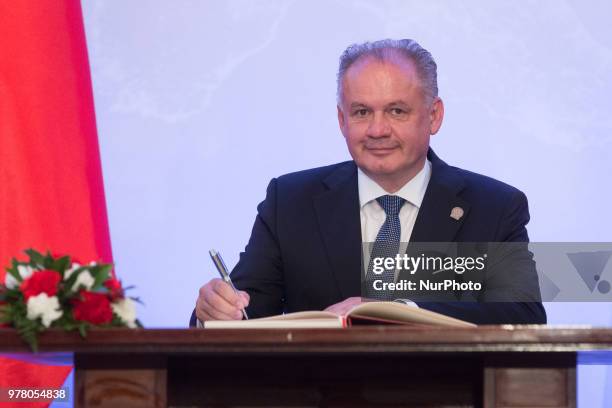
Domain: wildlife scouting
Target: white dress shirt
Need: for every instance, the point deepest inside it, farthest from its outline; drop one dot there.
(373, 216)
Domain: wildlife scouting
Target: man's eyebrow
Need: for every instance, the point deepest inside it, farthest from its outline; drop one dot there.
(358, 105)
(398, 102)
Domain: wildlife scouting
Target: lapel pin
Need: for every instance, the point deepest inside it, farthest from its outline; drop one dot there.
(456, 213)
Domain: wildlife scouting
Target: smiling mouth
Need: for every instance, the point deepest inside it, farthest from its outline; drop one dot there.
(380, 151)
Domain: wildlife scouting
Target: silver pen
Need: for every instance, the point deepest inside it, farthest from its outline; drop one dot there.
(218, 261)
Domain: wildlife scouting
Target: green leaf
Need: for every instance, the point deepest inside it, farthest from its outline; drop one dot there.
(15, 274)
(35, 257)
(83, 330)
(117, 320)
(61, 264)
(14, 264)
(69, 283)
(6, 316)
(101, 273)
(30, 337)
(28, 330)
(48, 261)
(137, 300)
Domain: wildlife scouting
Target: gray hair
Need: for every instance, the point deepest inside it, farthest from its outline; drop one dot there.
(425, 65)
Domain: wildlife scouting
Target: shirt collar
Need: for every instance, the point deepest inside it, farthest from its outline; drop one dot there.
(413, 191)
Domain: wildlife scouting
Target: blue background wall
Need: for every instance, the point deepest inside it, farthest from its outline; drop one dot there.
(200, 103)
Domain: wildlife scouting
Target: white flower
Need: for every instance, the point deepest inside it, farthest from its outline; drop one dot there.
(71, 270)
(84, 279)
(10, 282)
(126, 310)
(45, 307)
(24, 271)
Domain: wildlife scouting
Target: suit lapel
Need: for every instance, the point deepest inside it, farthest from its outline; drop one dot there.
(337, 212)
(434, 222)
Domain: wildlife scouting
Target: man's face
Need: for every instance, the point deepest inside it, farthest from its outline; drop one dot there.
(387, 119)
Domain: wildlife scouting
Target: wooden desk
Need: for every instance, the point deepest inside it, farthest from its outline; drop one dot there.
(390, 366)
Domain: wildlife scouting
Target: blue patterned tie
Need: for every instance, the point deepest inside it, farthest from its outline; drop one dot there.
(386, 245)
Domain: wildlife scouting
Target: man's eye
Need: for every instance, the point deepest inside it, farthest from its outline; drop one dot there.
(397, 111)
(360, 112)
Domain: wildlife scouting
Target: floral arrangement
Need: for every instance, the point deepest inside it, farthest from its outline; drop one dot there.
(49, 291)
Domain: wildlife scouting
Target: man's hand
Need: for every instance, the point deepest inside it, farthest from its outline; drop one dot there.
(343, 307)
(218, 301)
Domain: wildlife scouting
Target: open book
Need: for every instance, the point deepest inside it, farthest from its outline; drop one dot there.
(365, 313)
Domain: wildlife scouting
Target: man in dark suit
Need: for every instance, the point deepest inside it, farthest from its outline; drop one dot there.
(305, 250)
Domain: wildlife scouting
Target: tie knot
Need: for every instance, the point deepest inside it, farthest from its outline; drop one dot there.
(391, 204)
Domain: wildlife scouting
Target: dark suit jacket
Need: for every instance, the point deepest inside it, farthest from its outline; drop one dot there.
(305, 248)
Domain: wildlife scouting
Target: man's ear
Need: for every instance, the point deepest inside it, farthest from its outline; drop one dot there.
(436, 115)
(340, 118)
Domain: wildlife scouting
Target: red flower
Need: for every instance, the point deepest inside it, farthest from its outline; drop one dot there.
(92, 307)
(114, 287)
(44, 281)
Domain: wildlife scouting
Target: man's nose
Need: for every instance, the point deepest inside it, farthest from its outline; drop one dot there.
(379, 127)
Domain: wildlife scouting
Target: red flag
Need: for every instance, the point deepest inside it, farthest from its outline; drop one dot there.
(51, 190)
(19, 374)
